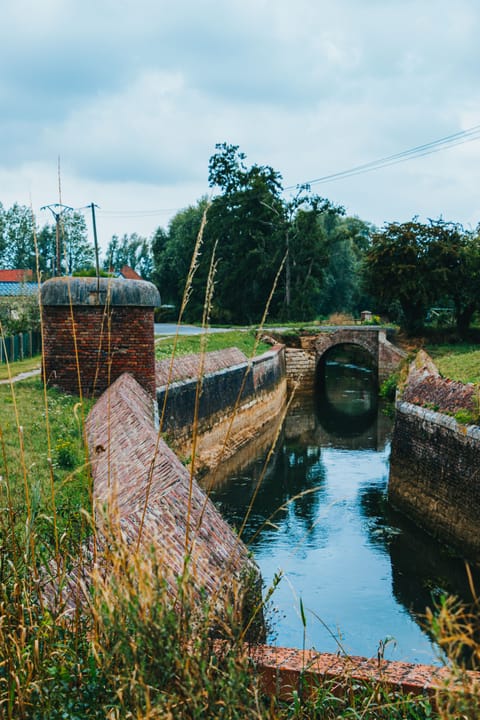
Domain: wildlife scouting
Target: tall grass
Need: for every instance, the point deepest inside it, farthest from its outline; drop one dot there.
(107, 639)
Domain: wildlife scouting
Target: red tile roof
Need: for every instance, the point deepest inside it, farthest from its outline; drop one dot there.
(129, 273)
(16, 275)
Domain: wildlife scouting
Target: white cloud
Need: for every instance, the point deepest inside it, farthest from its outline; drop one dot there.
(134, 94)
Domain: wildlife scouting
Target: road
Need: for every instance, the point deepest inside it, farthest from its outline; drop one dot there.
(171, 329)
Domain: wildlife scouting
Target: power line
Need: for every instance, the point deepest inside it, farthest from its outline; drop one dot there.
(429, 148)
(138, 213)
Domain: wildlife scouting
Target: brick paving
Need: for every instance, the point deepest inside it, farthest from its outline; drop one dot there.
(126, 469)
(282, 669)
(186, 367)
(427, 388)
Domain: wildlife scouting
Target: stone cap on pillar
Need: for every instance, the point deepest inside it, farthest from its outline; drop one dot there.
(99, 291)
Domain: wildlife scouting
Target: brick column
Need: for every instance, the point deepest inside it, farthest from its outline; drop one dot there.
(96, 330)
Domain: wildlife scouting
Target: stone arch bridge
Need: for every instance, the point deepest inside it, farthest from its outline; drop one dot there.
(305, 350)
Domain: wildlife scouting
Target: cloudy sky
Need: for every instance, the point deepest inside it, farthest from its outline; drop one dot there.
(132, 96)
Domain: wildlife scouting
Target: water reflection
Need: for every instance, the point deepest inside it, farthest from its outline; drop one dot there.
(320, 515)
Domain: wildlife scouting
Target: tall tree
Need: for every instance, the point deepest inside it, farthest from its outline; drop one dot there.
(132, 250)
(458, 275)
(2, 235)
(307, 243)
(19, 248)
(417, 264)
(76, 251)
(172, 252)
(348, 239)
(247, 222)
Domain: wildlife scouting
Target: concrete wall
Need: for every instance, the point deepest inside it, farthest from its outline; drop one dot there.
(435, 475)
(234, 405)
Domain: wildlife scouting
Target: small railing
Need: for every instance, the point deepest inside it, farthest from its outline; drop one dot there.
(20, 346)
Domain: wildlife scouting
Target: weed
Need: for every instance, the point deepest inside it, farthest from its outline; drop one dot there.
(388, 388)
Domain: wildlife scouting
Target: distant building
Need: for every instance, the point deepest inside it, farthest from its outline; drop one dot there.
(17, 283)
(125, 273)
(128, 273)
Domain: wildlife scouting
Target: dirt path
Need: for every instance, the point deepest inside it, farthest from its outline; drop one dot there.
(21, 376)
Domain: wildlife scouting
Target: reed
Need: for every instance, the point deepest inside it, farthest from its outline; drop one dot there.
(109, 639)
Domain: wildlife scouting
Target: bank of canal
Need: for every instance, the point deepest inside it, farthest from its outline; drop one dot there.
(320, 517)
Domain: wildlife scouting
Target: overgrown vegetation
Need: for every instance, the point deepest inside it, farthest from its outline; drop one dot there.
(127, 647)
(133, 650)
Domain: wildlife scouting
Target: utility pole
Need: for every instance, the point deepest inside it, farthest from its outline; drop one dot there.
(95, 241)
(57, 213)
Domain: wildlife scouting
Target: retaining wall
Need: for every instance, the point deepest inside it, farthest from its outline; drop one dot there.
(234, 405)
(435, 475)
(140, 484)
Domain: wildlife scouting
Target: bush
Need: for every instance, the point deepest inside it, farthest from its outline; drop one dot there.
(388, 388)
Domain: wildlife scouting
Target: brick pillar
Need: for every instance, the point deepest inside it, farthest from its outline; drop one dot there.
(96, 330)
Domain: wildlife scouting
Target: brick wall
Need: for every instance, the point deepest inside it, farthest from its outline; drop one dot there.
(235, 404)
(435, 476)
(301, 365)
(109, 343)
(140, 483)
(221, 390)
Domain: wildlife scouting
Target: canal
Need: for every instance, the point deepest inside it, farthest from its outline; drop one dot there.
(356, 576)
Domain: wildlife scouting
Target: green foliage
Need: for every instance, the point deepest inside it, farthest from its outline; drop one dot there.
(18, 246)
(76, 252)
(414, 265)
(18, 231)
(459, 361)
(91, 272)
(66, 454)
(19, 314)
(132, 250)
(465, 417)
(254, 230)
(33, 456)
(388, 388)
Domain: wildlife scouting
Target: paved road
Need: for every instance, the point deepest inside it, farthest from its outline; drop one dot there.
(171, 329)
(21, 376)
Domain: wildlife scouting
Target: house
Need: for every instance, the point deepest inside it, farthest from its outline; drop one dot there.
(128, 273)
(17, 283)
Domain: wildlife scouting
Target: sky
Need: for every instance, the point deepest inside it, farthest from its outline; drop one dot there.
(121, 103)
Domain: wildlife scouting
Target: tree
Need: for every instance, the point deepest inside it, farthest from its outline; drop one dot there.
(307, 244)
(76, 252)
(397, 269)
(132, 250)
(461, 281)
(418, 264)
(18, 243)
(172, 252)
(247, 222)
(2, 235)
(348, 239)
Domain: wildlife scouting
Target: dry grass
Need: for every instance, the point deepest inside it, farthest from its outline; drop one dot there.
(130, 649)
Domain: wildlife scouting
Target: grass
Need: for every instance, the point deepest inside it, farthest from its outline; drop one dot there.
(244, 340)
(132, 651)
(29, 453)
(20, 366)
(458, 362)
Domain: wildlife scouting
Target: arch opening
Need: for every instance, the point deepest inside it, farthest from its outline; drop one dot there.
(346, 389)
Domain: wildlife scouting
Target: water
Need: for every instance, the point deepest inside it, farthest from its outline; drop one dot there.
(320, 517)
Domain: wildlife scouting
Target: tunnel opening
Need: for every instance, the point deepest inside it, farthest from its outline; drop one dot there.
(346, 389)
